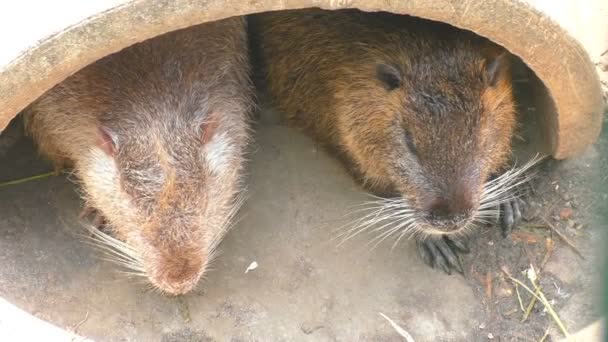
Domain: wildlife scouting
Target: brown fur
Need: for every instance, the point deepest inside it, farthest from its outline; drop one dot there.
(321, 69)
(176, 106)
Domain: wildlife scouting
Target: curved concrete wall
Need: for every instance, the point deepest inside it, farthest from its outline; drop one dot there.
(45, 43)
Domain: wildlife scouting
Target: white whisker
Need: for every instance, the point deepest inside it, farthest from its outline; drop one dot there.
(229, 222)
(116, 251)
(505, 188)
(360, 227)
(384, 215)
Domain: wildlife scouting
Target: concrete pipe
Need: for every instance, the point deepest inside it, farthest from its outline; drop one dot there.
(560, 41)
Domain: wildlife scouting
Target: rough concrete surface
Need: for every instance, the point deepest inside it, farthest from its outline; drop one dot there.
(306, 288)
(40, 53)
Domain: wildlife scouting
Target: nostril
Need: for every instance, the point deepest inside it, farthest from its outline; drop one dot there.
(441, 209)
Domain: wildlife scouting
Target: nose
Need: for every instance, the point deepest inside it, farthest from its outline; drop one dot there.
(446, 209)
(178, 275)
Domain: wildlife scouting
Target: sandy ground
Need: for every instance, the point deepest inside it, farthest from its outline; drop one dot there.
(306, 288)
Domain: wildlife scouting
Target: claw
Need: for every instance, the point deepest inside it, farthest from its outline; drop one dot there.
(437, 256)
(506, 218)
(510, 216)
(425, 253)
(516, 212)
(439, 259)
(442, 253)
(458, 244)
(448, 253)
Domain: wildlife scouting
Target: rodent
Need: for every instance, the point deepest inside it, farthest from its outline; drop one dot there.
(420, 111)
(156, 134)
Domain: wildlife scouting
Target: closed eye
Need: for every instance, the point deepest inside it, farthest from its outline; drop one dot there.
(409, 141)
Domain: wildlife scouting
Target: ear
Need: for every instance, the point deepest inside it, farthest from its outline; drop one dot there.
(208, 128)
(494, 68)
(109, 141)
(389, 76)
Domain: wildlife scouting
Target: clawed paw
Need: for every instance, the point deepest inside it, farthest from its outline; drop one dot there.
(443, 253)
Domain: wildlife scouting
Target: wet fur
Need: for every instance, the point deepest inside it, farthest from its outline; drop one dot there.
(170, 190)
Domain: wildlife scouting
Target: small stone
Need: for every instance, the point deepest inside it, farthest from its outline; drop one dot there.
(252, 267)
(307, 328)
(490, 243)
(310, 327)
(565, 213)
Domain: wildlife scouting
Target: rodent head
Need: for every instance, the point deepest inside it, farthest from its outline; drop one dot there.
(433, 131)
(166, 181)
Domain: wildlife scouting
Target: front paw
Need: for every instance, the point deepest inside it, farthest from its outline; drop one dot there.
(510, 216)
(442, 252)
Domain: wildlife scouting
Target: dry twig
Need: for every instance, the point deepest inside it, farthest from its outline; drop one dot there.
(400, 330)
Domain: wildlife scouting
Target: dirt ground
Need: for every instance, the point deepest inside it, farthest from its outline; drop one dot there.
(306, 288)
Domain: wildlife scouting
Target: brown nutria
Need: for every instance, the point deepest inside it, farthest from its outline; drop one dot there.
(422, 112)
(156, 134)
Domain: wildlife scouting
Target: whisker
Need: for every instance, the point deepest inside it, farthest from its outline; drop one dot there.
(229, 222)
(406, 229)
(359, 222)
(397, 225)
(505, 188)
(363, 226)
(373, 217)
(116, 251)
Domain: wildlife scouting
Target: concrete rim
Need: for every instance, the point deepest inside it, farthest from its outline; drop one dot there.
(572, 116)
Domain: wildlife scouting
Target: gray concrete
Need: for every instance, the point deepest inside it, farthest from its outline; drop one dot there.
(306, 288)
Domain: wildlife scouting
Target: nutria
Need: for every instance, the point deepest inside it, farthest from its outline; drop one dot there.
(156, 135)
(422, 113)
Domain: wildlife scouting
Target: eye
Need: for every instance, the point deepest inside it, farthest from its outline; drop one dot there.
(109, 141)
(389, 76)
(208, 129)
(409, 141)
